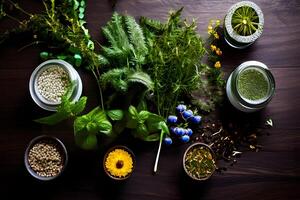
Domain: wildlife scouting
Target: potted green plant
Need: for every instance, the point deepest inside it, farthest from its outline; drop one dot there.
(243, 24)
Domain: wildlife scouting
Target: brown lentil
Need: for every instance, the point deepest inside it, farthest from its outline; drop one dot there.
(45, 159)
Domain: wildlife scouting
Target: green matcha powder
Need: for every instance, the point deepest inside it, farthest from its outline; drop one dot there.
(252, 84)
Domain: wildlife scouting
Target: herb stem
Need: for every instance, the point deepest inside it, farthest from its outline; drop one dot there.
(19, 8)
(158, 152)
(99, 87)
(30, 44)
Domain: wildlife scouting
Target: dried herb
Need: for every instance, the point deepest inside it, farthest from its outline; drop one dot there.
(199, 162)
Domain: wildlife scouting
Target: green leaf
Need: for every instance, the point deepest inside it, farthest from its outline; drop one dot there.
(66, 109)
(131, 123)
(80, 123)
(79, 106)
(115, 114)
(142, 106)
(87, 142)
(142, 131)
(143, 115)
(93, 122)
(133, 112)
(53, 119)
(105, 127)
(152, 138)
(164, 128)
(141, 77)
(137, 39)
(92, 127)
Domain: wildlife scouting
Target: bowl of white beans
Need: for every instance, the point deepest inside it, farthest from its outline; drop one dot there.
(50, 81)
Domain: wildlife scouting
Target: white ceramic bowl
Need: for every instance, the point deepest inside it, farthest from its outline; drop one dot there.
(73, 76)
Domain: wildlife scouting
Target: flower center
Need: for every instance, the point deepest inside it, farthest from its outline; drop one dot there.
(120, 164)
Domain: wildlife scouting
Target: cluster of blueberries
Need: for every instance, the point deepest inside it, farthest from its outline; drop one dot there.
(181, 123)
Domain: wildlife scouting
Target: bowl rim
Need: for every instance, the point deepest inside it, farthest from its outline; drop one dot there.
(184, 156)
(133, 162)
(35, 141)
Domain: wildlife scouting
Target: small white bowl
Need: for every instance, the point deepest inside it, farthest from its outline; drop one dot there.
(73, 76)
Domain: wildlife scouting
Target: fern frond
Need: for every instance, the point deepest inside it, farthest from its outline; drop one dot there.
(141, 77)
(151, 24)
(117, 78)
(136, 38)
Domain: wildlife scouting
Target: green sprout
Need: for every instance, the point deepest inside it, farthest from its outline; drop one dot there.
(245, 21)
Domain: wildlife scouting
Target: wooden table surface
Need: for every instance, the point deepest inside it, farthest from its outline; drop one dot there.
(273, 173)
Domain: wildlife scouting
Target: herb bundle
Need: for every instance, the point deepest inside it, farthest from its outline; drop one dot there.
(152, 66)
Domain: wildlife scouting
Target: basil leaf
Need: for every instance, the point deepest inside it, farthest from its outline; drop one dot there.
(152, 138)
(133, 112)
(143, 115)
(86, 141)
(105, 127)
(53, 119)
(115, 114)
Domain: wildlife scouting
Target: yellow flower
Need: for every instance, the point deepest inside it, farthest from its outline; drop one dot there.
(209, 29)
(213, 47)
(217, 64)
(119, 163)
(218, 52)
(218, 22)
(216, 35)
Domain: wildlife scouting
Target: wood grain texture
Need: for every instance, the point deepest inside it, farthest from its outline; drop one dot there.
(271, 174)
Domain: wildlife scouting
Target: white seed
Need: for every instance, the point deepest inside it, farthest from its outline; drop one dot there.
(53, 83)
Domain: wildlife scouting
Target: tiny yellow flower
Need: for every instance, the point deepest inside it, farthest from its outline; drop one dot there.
(213, 47)
(217, 64)
(218, 22)
(216, 35)
(218, 52)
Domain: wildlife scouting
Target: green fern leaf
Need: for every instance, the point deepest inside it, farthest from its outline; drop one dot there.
(141, 77)
(136, 38)
(117, 78)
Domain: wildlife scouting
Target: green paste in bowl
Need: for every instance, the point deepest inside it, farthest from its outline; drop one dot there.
(253, 84)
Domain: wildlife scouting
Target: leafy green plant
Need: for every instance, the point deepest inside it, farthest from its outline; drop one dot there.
(245, 21)
(67, 109)
(163, 58)
(87, 127)
(146, 125)
(174, 64)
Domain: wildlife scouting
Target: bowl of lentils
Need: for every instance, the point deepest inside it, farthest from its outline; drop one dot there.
(199, 161)
(46, 158)
(50, 81)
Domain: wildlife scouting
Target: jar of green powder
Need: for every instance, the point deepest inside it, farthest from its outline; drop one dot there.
(251, 86)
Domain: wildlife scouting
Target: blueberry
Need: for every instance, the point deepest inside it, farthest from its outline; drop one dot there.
(180, 108)
(172, 119)
(187, 114)
(179, 131)
(172, 129)
(168, 141)
(185, 138)
(189, 132)
(196, 119)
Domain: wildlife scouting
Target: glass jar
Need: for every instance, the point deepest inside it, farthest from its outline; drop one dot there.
(236, 40)
(237, 94)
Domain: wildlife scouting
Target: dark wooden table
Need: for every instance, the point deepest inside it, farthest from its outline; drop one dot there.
(273, 173)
